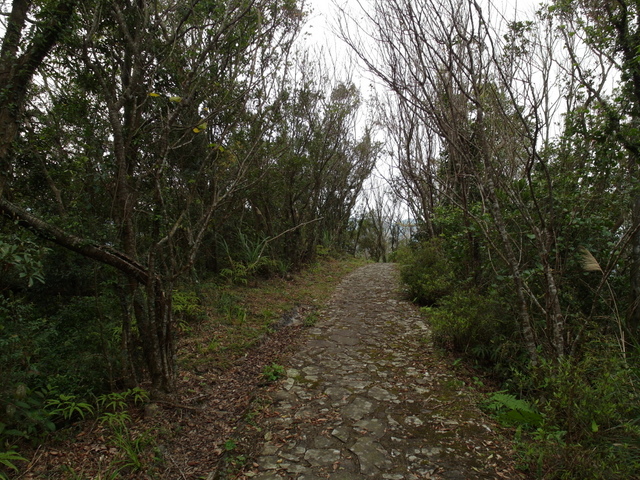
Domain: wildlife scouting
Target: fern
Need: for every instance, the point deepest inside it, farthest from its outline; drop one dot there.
(7, 459)
(510, 410)
(68, 406)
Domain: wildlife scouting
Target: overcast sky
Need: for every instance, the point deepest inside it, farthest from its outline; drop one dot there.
(324, 13)
(319, 32)
(322, 22)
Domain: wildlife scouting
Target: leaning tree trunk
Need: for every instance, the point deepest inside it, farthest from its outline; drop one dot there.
(151, 299)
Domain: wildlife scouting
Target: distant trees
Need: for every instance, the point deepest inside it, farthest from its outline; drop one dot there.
(322, 162)
(379, 223)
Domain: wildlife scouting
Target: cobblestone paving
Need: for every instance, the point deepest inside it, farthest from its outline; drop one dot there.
(364, 398)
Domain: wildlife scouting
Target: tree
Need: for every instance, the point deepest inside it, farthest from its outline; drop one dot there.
(458, 77)
(177, 99)
(414, 150)
(378, 229)
(310, 188)
(25, 46)
(603, 41)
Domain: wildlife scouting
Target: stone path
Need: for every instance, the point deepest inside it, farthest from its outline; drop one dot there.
(365, 398)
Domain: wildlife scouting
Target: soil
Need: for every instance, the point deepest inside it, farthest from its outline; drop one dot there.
(362, 394)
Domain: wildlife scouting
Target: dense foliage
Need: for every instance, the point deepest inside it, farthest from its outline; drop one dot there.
(146, 146)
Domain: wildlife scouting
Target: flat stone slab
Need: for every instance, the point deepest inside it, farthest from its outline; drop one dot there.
(373, 426)
(321, 457)
(381, 394)
(342, 433)
(372, 457)
(337, 393)
(360, 407)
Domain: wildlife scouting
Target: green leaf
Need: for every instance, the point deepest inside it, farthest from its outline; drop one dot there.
(594, 426)
(7, 459)
(200, 127)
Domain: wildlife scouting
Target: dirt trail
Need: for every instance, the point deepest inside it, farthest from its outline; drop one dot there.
(364, 397)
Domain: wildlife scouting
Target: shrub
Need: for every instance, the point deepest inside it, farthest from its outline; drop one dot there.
(273, 372)
(82, 357)
(426, 271)
(24, 415)
(187, 308)
(475, 325)
(594, 401)
(588, 396)
(513, 411)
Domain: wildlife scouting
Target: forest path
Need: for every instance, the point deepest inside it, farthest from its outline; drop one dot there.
(365, 397)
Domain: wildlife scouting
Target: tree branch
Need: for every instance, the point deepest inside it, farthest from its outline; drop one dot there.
(88, 248)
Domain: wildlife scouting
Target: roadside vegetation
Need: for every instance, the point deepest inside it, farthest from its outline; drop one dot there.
(119, 432)
(572, 417)
(517, 152)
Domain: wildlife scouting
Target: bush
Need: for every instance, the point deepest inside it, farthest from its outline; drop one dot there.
(426, 271)
(50, 365)
(594, 402)
(24, 415)
(475, 325)
(82, 356)
(273, 372)
(187, 308)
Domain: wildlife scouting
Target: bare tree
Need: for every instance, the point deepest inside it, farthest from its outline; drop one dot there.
(379, 226)
(461, 71)
(413, 149)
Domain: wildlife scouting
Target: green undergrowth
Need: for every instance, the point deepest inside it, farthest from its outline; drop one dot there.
(230, 319)
(217, 322)
(571, 417)
(55, 416)
(590, 416)
(577, 417)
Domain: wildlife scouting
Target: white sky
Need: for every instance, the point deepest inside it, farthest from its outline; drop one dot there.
(322, 23)
(323, 17)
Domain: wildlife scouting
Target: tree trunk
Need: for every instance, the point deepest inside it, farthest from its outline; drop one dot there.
(633, 322)
(525, 318)
(152, 308)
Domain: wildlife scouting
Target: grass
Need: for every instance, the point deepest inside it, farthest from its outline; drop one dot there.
(238, 316)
